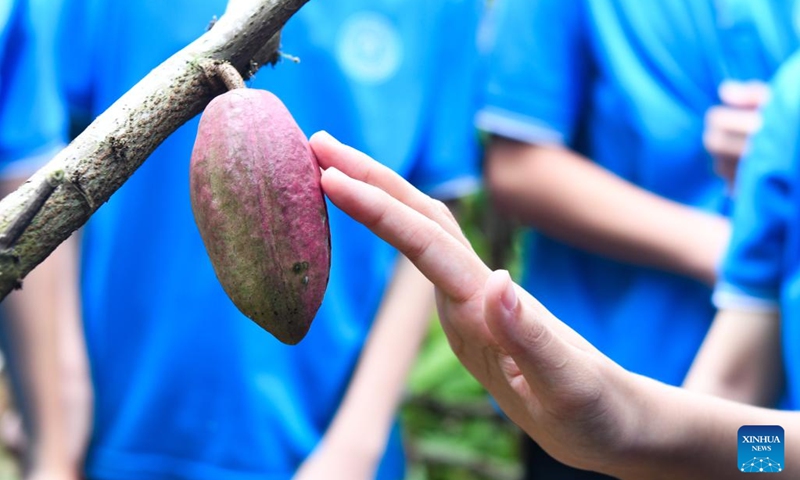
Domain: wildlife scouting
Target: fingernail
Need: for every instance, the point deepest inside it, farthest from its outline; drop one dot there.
(325, 136)
(509, 295)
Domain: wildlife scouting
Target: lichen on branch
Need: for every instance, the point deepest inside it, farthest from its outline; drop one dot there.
(107, 153)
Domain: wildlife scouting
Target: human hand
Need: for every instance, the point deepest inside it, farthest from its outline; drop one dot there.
(728, 126)
(566, 395)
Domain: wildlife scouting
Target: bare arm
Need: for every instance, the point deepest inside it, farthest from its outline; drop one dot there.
(740, 358)
(77, 392)
(48, 355)
(32, 330)
(574, 200)
(355, 441)
(694, 436)
(386, 360)
(581, 407)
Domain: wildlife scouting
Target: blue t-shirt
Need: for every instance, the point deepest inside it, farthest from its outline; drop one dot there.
(627, 83)
(185, 386)
(31, 112)
(761, 269)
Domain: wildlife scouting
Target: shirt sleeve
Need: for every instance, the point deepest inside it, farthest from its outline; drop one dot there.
(752, 270)
(448, 167)
(32, 116)
(537, 67)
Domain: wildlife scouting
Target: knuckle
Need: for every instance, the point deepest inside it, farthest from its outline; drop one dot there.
(713, 115)
(439, 208)
(377, 217)
(711, 140)
(538, 335)
(419, 240)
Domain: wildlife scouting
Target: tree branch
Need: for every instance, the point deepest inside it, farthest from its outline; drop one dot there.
(107, 153)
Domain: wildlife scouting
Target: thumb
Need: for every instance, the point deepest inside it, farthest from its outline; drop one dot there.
(749, 95)
(545, 359)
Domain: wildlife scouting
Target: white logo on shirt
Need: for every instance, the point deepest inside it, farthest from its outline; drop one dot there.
(369, 48)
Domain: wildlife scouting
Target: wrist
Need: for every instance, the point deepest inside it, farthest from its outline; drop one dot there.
(631, 445)
(652, 444)
(706, 246)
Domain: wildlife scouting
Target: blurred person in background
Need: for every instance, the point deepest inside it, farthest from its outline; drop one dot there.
(608, 121)
(749, 354)
(40, 324)
(186, 387)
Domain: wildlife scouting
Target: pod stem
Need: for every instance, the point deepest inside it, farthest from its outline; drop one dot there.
(221, 71)
(229, 76)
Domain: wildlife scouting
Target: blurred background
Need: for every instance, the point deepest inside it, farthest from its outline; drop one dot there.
(452, 429)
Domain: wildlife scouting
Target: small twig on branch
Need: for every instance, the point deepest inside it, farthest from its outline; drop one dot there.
(24, 218)
(107, 153)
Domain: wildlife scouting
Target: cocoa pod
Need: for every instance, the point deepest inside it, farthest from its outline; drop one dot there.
(257, 201)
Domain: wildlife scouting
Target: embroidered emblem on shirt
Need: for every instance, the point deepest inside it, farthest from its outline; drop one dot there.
(369, 48)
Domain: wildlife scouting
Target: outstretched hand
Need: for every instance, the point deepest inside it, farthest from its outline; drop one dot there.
(551, 382)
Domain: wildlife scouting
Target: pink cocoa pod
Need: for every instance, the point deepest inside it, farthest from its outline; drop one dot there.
(256, 196)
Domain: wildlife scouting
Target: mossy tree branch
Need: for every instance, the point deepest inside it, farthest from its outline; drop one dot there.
(107, 153)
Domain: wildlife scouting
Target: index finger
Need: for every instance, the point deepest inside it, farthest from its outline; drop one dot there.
(360, 166)
(450, 265)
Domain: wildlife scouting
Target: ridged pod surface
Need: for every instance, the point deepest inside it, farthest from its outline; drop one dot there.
(257, 201)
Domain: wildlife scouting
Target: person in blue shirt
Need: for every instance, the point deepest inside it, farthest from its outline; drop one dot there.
(749, 354)
(39, 323)
(184, 385)
(597, 113)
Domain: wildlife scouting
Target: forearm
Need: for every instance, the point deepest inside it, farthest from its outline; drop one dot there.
(740, 358)
(569, 198)
(77, 394)
(694, 436)
(33, 328)
(366, 414)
